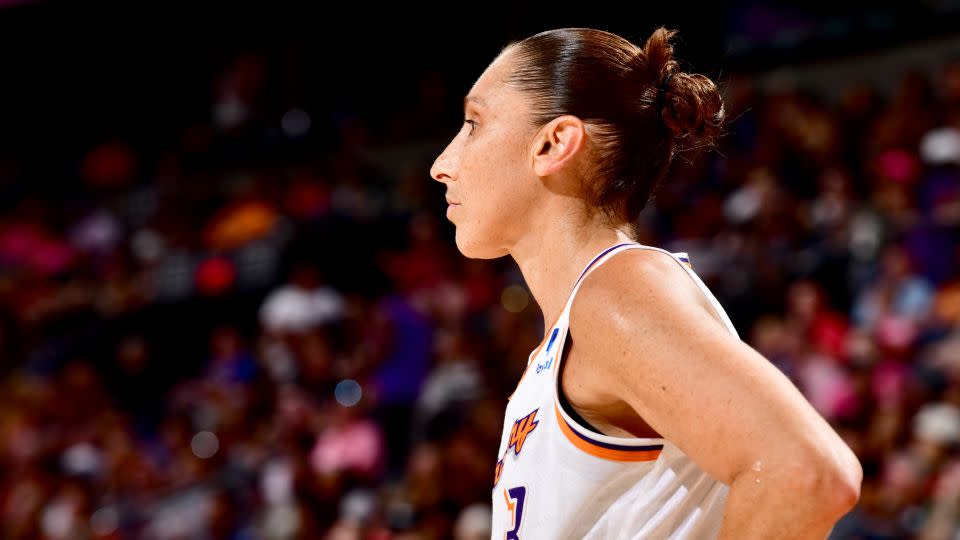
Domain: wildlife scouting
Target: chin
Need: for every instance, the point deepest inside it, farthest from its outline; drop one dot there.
(472, 247)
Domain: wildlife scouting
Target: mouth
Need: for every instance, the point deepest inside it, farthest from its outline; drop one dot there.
(451, 208)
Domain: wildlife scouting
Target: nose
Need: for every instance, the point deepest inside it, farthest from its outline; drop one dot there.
(442, 169)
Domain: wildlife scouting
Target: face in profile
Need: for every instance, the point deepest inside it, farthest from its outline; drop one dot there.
(487, 167)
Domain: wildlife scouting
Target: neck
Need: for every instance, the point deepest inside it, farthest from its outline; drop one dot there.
(553, 254)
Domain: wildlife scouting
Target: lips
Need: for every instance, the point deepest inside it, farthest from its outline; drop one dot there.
(451, 208)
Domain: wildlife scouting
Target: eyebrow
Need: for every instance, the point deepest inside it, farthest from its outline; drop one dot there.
(474, 99)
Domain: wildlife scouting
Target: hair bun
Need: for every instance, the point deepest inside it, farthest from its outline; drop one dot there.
(614, 86)
(690, 103)
(692, 106)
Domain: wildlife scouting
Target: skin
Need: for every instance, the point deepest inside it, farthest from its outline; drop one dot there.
(650, 356)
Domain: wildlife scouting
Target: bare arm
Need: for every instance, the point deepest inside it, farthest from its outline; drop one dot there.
(651, 341)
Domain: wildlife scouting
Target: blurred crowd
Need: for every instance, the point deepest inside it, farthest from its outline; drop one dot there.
(222, 338)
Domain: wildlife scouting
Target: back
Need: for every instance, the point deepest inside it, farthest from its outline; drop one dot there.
(558, 479)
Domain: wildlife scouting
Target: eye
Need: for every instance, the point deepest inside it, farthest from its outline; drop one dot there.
(473, 124)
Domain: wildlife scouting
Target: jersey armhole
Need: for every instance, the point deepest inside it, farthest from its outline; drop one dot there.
(562, 400)
(587, 438)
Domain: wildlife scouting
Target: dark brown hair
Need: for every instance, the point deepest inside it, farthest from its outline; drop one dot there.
(636, 124)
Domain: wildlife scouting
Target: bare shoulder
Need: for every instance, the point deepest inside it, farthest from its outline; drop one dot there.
(640, 286)
(639, 312)
(648, 338)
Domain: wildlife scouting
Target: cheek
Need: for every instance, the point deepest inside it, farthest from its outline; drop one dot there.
(496, 157)
(497, 186)
(496, 215)
(496, 179)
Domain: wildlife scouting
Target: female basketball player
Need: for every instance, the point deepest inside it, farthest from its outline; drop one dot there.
(641, 414)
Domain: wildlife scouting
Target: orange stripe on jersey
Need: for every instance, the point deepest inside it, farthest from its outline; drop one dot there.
(595, 448)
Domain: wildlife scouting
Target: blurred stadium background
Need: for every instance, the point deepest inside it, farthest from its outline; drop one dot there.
(231, 306)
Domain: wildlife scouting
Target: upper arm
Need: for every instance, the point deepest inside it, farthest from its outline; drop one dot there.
(650, 340)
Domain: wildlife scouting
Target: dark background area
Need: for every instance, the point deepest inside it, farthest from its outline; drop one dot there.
(76, 72)
(217, 224)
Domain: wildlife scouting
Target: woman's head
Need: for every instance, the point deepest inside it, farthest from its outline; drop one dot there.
(575, 112)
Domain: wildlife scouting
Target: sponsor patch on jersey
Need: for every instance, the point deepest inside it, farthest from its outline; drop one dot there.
(549, 363)
(544, 366)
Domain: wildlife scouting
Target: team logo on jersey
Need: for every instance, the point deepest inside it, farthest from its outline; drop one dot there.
(521, 429)
(497, 471)
(518, 436)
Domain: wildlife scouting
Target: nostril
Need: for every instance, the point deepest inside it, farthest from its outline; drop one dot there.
(438, 174)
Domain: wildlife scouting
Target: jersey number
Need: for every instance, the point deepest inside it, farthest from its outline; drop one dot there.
(515, 498)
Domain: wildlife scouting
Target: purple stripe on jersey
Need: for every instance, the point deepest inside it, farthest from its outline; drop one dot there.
(597, 258)
(608, 446)
(611, 446)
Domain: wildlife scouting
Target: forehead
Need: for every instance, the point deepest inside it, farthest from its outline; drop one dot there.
(490, 88)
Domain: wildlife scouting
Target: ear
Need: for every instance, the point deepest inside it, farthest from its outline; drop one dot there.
(557, 143)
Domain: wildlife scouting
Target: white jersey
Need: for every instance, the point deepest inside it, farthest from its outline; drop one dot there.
(556, 479)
